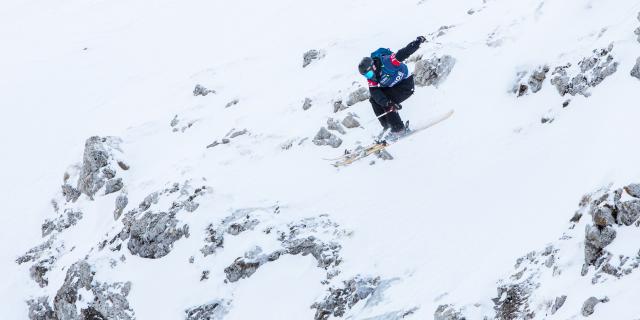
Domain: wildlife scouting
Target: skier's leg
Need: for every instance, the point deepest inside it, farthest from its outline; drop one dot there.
(402, 91)
(379, 110)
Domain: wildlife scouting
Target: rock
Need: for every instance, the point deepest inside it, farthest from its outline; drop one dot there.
(334, 125)
(36, 253)
(558, 303)
(39, 270)
(244, 267)
(152, 236)
(312, 55)
(110, 300)
(66, 220)
(633, 190)
(588, 307)
(512, 302)
(537, 78)
(326, 254)
(350, 121)
(338, 106)
(238, 133)
(434, 71)
(201, 91)
(40, 309)
(447, 312)
(148, 201)
(324, 137)
(205, 275)
(340, 300)
(174, 122)
(603, 216)
(213, 144)
(70, 193)
(596, 238)
(78, 276)
(591, 72)
(232, 103)
(361, 94)
(629, 212)
(307, 104)
(113, 185)
(215, 310)
(121, 203)
(635, 72)
(95, 158)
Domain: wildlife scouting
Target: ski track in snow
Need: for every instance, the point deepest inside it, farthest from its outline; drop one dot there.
(440, 224)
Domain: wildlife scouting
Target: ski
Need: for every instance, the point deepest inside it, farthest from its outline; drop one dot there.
(380, 145)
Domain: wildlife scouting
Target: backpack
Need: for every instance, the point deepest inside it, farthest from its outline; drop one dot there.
(389, 74)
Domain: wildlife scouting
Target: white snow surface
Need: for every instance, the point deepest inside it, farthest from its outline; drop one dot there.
(446, 218)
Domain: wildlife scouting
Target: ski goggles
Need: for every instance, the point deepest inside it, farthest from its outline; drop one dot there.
(369, 74)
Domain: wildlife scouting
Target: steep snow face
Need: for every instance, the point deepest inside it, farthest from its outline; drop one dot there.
(166, 161)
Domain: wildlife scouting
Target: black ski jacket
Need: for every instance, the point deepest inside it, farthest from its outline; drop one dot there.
(378, 94)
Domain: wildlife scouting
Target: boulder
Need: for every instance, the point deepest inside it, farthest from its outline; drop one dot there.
(350, 121)
(326, 138)
(306, 105)
(152, 235)
(312, 55)
(361, 94)
(201, 91)
(434, 71)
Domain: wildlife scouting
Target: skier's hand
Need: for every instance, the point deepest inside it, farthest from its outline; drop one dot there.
(393, 107)
(421, 39)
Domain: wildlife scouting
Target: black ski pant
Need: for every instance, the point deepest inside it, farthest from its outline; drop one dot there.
(398, 93)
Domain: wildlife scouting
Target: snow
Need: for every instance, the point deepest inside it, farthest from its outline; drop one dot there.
(450, 214)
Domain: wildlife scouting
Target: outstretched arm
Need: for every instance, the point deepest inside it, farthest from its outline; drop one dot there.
(412, 47)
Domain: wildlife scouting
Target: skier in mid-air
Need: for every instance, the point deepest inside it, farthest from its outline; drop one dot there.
(390, 83)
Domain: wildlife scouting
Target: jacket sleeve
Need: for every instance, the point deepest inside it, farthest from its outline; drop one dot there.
(407, 51)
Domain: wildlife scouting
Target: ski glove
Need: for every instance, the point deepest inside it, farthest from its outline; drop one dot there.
(421, 39)
(393, 107)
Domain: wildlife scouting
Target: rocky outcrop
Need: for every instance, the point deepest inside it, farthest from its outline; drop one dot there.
(532, 83)
(152, 235)
(312, 55)
(232, 103)
(200, 90)
(98, 165)
(70, 193)
(326, 138)
(215, 310)
(588, 307)
(306, 105)
(447, 312)
(334, 125)
(341, 299)
(109, 300)
(121, 203)
(360, 94)
(64, 221)
(635, 72)
(338, 106)
(351, 121)
(590, 73)
(434, 71)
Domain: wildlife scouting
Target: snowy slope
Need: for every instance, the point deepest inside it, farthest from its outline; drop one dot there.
(442, 223)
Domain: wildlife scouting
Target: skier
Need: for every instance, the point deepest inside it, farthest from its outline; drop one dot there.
(390, 84)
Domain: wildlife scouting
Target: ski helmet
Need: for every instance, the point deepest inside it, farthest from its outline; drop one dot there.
(365, 65)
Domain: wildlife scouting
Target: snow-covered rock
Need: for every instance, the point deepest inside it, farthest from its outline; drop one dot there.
(434, 71)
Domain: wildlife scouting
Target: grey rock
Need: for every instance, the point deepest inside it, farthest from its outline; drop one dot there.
(108, 173)
(310, 56)
(338, 106)
(148, 201)
(213, 144)
(335, 125)
(174, 122)
(238, 133)
(558, 303)
(37, 252)
(629, 212)
(113, 185)
(324, 137)
(635, 72)
(70, 193)
(537, 78)
(592, 71)
(40, 309)
(110, 301)
(39, 270)
(121, 203)
(512, 302)
(597, 238)
(66, 220)
(307, 104)
(78, 276)
(232, 103)
(326, 254)
(350, 121)
(244, 267)
(340, 300)
(434, 71)
(201, 91)
(633, 190)
(95, 158)
(152, 236)
(361, 94)
(215, 310)
(588, 307)
(603, 216)
(447, 312)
